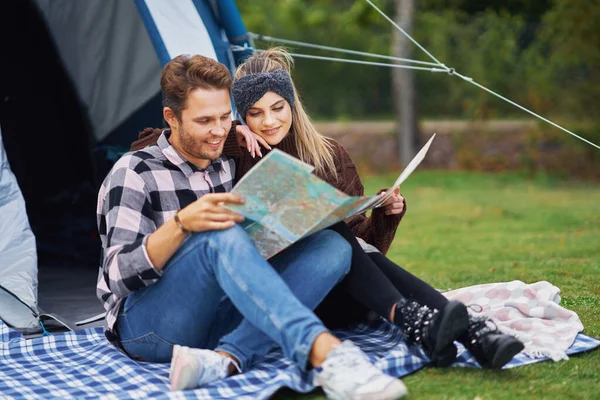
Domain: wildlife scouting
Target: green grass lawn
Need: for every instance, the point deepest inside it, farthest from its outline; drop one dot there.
(463, 229)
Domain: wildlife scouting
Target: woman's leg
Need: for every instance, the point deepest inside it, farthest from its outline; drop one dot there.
(489, 346)
(340, 310)
(434, 329)
(407, 284)
(365, 282)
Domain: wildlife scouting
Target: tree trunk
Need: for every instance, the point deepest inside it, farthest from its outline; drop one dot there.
(405, 96)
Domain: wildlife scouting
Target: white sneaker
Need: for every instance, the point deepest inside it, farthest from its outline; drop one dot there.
(192, 368)
(347, 374)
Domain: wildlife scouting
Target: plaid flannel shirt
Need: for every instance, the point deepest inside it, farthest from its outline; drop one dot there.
(143, 190)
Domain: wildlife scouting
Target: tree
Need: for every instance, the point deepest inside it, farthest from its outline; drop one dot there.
(405, 95)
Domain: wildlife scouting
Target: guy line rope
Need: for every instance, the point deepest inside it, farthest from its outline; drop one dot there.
(435, 66)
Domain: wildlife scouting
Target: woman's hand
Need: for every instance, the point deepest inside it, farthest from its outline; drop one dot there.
(395, 204)
(250, 140)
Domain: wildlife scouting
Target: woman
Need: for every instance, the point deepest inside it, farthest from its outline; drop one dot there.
(267, 101)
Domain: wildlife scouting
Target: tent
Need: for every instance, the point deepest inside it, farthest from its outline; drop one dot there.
(79, 81)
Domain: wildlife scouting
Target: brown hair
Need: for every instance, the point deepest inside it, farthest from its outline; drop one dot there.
(313, 148)
(185, 73)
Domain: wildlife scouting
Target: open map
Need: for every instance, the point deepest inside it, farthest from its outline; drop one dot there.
(286, 202)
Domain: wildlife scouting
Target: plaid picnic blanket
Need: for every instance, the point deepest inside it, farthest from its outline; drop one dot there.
(82, 364)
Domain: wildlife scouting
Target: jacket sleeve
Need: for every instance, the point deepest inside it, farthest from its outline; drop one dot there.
(147, 137)
(231, 147)
(377, 229)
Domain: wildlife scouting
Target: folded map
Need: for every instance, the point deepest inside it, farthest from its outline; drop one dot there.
(286, 202)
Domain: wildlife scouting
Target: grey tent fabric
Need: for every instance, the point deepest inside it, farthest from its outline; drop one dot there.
(18, 256)
(100, 85)
(95, 40)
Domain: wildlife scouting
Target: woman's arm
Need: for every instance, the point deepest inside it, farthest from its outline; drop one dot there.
(378, 229)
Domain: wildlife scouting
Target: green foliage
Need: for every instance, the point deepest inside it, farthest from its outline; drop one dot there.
(564, 62)
(542, 54)
(329, 89)
(483, 47)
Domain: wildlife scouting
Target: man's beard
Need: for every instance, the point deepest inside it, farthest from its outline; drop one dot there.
(193, 147)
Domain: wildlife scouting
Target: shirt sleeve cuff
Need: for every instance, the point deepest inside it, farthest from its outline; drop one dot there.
(147, 266)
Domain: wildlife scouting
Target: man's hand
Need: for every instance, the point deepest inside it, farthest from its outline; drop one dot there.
(250, 140)
(395, 204)
(207, 213)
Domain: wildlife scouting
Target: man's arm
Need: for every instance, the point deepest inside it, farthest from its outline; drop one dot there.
(163, 243)
(125, 222)
(135, 251)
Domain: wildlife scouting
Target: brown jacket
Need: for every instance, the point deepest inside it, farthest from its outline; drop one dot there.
(378, 229)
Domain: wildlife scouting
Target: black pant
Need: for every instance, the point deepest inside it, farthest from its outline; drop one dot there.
(374, 283)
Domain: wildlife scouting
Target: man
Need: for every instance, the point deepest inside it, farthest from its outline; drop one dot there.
(175, 260)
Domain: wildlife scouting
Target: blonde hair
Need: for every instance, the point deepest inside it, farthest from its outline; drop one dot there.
(313, 148)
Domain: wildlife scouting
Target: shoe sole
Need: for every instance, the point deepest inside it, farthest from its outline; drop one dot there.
(505, 353)
(176, 349)
(394, 390)
(180, 377)
(454, 323)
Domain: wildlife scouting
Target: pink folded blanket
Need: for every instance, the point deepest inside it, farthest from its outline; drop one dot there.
(530, 312)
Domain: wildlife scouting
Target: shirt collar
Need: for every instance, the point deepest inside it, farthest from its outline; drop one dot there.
(179, 161)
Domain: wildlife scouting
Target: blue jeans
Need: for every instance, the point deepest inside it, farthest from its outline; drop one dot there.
(191, 304)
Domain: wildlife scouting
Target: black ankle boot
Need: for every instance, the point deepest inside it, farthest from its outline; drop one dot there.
(491, 348)
(434, 330)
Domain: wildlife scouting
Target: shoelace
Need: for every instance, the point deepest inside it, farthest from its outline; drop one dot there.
(473, 306)
(479, 326)
(417, 321)
(235, 364)
(487, 321)
(215, 368)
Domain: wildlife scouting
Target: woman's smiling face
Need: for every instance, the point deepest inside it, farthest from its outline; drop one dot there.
(270, 117)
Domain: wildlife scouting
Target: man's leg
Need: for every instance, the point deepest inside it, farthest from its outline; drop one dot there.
(310, 268)
(268, 304)
(181, 306)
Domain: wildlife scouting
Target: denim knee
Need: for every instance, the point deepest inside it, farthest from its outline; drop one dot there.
(235, 237)
(229, 236)
(202, 243)
(339, 255)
